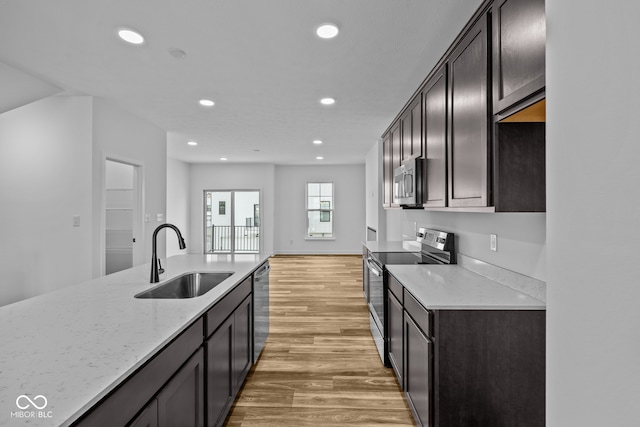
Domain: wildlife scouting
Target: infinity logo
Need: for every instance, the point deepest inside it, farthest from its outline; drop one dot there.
(33, 403)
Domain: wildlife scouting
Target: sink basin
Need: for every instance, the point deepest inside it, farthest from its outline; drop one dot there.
(186, 286)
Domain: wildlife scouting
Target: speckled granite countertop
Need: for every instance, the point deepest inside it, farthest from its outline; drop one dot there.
(451, 287)
(70, 347)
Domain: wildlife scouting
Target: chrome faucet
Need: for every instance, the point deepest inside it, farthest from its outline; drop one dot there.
(156, 267)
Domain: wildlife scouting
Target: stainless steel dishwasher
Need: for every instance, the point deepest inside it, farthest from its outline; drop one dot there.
(260, 308)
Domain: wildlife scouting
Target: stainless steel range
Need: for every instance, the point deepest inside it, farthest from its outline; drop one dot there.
(437, 247)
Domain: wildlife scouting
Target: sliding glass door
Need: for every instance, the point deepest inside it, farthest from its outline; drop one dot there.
(232, 221)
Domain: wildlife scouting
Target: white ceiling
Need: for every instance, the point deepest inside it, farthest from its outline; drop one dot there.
(259, 60)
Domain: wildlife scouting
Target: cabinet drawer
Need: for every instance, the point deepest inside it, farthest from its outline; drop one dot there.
(223, 308)
(420, 315)
(395, 288)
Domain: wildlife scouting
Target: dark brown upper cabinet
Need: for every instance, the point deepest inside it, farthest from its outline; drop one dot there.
(391, 146)
(396, 159)
(519, 157)
(387, 171)
(518, 51)
(411, 127)
(434, 96)
(469, 119)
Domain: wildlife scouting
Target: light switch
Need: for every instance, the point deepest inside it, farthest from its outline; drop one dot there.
(147, 217)
(494, 242)
(76, 220)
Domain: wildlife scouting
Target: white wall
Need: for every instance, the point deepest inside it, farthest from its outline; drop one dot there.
(376, 215)
(349, 214)
(51, 169)
(45, 179)
(178, 203)
(521, 236)
(593, 214)
(231, 177)
(120, 135)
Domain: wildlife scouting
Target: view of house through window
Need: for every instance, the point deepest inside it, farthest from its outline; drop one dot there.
(320, 205)
(231, 221)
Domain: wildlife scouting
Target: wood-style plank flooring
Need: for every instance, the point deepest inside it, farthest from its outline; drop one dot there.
(319, 366)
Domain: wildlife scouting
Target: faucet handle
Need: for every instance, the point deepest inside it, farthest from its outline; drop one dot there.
(160, 269)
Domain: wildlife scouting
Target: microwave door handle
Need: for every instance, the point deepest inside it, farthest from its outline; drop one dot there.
(408, 185)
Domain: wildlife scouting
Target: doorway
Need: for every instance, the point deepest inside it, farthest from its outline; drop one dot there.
(232, 221)
(122, 203)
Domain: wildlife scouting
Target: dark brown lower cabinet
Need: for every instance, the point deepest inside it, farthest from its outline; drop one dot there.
(395, 344)
(242, 340)
(481, 368)
(418, 353)
(181, 401)
(229, 359)
(219, 352)
(148, 417)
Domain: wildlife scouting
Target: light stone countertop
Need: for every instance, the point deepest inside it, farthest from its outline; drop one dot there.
(75, 345)
(451, 287)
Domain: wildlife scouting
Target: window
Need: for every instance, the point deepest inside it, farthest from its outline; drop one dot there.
(320, 205)
(232, 221)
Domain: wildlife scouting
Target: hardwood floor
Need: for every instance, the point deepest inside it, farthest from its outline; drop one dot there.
(319, 366)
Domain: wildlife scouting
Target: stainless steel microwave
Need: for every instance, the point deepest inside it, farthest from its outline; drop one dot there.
(407, 183)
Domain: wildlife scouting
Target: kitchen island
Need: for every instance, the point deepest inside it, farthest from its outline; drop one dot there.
(66, 350)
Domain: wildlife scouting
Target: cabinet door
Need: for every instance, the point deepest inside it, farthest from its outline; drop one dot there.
(220, 393)
(387, 172)
(181, 401)
(242, 349)
(411, 130)
(435, 139)
(395, 141)
(396, 159)
(148, 417)
(468, 124)
(518, 51)
(395, 320)
(418, 353)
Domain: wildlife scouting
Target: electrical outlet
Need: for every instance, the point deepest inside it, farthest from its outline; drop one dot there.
(159, 217)
(494, 242)
(76, 220)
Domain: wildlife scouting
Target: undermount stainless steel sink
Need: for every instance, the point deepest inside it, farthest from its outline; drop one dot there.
(186, 286)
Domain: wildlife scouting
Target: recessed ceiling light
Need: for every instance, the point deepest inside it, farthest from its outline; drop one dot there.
(192, 143)
(327, 101)
(130, 36)
(319, 158)
(223, 159)
(207, 103)
(317, 141)
(177, 53)
(327, 31)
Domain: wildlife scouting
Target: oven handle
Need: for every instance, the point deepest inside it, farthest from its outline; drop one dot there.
(373, 267)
